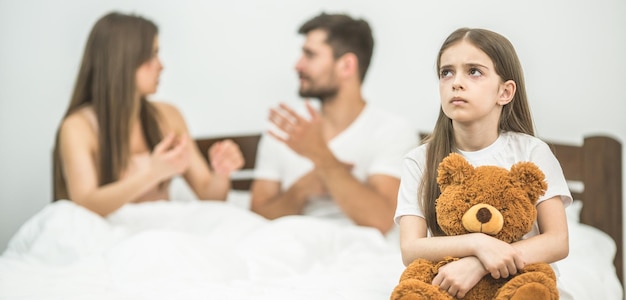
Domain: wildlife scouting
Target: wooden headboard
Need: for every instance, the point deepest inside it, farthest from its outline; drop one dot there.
(597, 164)
(248, 145)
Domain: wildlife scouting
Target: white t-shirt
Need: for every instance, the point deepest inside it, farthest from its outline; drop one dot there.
(508, 149)
(374, 143)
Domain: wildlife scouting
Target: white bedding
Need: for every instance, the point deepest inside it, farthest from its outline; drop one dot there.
(588, 271)
(194, 250)
(217, 250)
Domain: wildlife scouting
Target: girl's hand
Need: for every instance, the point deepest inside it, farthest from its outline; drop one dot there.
(226, 157)
(170, 157)
(459, 276)
(499, 258)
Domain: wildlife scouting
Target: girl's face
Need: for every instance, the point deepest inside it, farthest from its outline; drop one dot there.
(471, 91)
(148, 73)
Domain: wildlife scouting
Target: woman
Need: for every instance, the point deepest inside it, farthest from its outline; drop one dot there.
(114, 146)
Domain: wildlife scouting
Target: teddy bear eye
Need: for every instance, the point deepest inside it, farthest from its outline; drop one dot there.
(467, 200)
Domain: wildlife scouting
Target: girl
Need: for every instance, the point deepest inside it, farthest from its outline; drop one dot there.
(485, 117)
(114, 146)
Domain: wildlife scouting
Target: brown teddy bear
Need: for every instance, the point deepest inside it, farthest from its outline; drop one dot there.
(494, 201)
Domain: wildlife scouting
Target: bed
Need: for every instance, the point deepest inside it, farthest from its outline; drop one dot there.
(594, 267)
(190, 249)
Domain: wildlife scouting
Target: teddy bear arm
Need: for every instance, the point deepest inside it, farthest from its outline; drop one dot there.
(420, 269)
(416, 281)
(541, 268)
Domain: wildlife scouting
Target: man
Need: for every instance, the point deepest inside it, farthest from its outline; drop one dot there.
(343, 161)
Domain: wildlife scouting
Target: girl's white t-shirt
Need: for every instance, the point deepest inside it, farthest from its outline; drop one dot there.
(508, 149)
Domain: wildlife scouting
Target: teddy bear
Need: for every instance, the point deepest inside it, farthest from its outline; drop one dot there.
(494, 201)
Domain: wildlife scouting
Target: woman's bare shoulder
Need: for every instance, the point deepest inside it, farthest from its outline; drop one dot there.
(80, 126)
(166, 109)
(81, 119)
(171, 116)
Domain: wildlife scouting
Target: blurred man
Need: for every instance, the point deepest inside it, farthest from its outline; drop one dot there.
(341, 162)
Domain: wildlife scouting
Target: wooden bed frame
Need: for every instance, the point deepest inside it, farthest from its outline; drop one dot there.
(597, 164)
(247, 144)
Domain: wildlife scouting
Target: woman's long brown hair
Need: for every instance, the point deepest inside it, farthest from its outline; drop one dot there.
(515, 115)
(117, 45)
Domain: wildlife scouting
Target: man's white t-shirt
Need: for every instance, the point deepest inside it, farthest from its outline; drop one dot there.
(374, 143)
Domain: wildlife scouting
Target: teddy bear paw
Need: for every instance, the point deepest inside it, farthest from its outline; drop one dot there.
(412, 289)
(529, 286)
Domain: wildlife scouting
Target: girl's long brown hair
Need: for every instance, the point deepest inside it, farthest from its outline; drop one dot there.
(515, 115)
(117, 45)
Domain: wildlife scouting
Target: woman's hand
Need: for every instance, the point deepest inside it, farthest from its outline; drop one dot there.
(171, 156)
(226, 157)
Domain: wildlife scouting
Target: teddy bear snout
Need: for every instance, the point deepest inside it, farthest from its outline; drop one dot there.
(483, 218)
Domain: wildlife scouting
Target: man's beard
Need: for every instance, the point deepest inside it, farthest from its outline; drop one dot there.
(322, 94)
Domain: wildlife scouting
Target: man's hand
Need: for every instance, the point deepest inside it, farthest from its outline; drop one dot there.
(311, 185)
(303, 136)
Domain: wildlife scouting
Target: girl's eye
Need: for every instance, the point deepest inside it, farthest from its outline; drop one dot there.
(475, 72)
(445, 73)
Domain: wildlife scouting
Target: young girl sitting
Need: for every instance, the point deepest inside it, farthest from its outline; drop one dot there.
(485, 117)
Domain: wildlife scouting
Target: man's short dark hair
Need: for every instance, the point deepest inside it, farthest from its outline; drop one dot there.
(345, 35)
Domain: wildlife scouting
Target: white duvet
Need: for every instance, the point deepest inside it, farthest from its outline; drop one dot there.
(195, 250)
(219, 250)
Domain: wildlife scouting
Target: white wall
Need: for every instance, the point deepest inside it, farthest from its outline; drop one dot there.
(226, 62)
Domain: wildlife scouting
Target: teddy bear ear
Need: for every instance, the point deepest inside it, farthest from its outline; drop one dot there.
(453, 169)
(527, 176)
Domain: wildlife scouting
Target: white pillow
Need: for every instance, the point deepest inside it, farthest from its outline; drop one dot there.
(587, 239)
(573, 211)
(588, 271)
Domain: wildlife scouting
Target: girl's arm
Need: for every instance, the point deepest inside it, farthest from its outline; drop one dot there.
(549, 246)
(553, 242)
(498, 258)
(456, 277)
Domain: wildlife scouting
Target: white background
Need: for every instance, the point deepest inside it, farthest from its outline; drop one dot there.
(227, 62)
